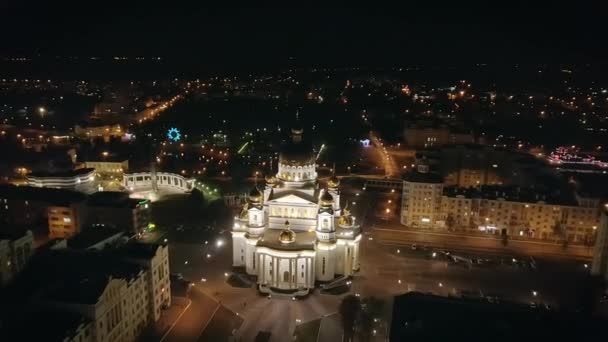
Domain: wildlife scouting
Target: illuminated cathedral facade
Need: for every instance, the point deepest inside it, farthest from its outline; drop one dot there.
(293, 233)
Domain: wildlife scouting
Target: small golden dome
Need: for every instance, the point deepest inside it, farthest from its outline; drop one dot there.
(271, 180)
(333, 182)
(255, 195)
(287, 235)
(327, 200)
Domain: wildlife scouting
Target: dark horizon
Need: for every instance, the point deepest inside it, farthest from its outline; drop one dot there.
(262, 37)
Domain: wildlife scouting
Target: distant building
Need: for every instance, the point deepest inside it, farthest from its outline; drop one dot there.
(79, 179)
(102, 131)
(66, 218)
(519, 212)
(119, 210)
(423, 134)
(111, 166)
(516, 211)
(471, 165)
(421, 198)
(26, 205)
(15, 251)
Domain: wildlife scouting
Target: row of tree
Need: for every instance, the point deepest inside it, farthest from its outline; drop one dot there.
(359, 316)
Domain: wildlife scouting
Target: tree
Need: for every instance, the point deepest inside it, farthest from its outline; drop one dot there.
(371, 308)
(350, 308)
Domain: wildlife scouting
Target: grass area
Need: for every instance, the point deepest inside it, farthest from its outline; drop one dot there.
(221, 326)
(190, 215)
(237, 280)
(338, 290)
(307, 332)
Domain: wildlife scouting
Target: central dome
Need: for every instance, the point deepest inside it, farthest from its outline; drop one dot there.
(296, 152)
(287, 235)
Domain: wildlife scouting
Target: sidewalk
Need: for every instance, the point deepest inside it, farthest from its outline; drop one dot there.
(167, 319)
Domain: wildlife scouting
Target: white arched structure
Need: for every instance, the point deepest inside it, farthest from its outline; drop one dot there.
(141, 180)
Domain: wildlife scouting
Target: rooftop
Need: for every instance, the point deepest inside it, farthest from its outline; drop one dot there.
(53, 196)
(50, 325)
(71, 275)
(514, 193)
(68, 173)
(138, 250)
(415, 176)
(92, 236)
(304, 240)
(12, 233)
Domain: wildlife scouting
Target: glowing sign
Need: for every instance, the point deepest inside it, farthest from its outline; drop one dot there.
(173, 134)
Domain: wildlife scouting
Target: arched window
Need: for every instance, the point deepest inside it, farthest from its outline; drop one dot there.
(323, 268)
(325, 223)
(286, 276)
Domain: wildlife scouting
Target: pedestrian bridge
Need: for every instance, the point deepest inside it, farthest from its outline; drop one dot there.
(164, 180)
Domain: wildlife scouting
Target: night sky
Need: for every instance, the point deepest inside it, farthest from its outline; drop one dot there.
(511, 32)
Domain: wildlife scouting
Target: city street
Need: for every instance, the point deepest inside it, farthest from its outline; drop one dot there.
(385, 271)
(396, 234)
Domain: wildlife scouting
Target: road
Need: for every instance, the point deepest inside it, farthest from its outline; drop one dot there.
(195, 318)
(386, 270)
(482, 244)
(382, 157)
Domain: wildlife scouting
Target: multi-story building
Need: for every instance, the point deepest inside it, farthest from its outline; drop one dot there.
(421, 198)
(111, 294)
(15, 250)
(155, 260)
(63, 210)
(521, 212)
(470, 165)
(66, 219)
(119, 210)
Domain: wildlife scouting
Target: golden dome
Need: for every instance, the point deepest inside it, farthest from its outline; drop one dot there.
(244, 212)
(287, 235)
(255, 195)
(327, 200)
(271, 180)
(333, 182)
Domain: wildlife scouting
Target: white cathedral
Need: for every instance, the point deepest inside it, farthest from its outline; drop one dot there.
(294, 234)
